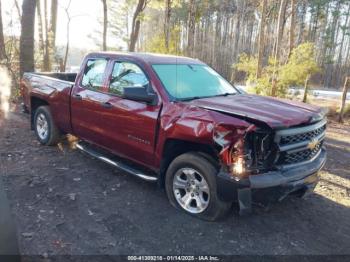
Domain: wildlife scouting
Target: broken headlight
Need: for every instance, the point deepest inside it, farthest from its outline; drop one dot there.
(245, 152)
(234, 153)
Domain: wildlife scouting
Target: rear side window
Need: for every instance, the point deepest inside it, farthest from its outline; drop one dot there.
(126, 74)
(94, 74)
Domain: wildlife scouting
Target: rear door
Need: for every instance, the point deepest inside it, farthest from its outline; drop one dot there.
(88, 102)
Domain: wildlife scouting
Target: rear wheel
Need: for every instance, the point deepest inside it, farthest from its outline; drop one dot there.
(191, 187)
(45, 129)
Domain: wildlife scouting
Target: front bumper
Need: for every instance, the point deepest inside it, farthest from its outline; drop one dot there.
(271, 186)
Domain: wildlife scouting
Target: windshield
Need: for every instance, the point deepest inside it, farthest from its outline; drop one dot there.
(186, 82)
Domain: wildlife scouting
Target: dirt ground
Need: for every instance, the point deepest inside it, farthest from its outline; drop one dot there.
(65, 202)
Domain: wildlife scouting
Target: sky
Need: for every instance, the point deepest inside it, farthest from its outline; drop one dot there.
(86, 13)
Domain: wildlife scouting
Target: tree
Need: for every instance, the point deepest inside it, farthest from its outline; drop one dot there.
(280, 28)
(53, 24)
(296, 72)
(343, 101)
(279, 35)
(300, 67)
(2, 39)
(292, 27)
(167, 29)
(47, 31)
(41, 33)
(47, 58)
(105, 25)
(191, 27)
(157, 43)
(118, 21)
(261, 39)
(27, 36)
(69, 20)
(331, 43)
(51, 35)
(301, 22)
(136, 23)
(18, 9)
(345, 29)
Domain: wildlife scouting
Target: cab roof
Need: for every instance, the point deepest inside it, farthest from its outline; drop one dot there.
(149, 58)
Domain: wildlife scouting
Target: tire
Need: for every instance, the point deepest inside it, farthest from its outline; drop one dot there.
(179, 175)
(45, 129)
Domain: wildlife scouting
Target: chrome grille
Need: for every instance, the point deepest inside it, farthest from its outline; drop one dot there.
(302, 137)
(300, 156)
(300, 144)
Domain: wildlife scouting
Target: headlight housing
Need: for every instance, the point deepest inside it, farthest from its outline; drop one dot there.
(245, 152)
(234, 153)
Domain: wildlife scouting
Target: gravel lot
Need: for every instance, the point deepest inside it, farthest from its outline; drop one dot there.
(65, 202)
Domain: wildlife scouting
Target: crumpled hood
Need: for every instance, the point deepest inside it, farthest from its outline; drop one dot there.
(276, 113)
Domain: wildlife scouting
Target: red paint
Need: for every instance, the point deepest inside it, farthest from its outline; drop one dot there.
(139, 131)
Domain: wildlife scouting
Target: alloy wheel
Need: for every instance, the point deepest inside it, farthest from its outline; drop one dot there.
(191, 190)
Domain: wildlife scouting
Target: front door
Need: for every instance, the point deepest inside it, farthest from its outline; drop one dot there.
(130, 125)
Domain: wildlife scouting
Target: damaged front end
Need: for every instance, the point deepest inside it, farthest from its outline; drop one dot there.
(262, 165)
(244, 151)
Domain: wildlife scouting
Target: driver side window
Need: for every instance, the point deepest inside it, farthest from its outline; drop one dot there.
(126, 74)
(94, 74)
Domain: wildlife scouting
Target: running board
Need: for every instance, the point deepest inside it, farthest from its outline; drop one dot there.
(114, 163)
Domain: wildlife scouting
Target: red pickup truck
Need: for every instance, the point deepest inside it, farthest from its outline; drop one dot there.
(177, 121)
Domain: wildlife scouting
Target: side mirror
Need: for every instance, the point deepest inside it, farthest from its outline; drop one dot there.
(139, 94)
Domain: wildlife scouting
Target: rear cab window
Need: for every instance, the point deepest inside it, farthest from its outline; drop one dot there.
(94, 72)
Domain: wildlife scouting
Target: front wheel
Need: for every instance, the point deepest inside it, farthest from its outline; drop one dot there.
(45, 129)
(191, 187)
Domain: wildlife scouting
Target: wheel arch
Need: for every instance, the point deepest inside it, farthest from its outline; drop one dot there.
(176, 147)
(35, 103)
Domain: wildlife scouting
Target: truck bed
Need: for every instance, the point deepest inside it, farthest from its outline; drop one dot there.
(54, 89)
(69, 77)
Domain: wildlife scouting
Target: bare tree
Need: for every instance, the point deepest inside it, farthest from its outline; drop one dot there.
(105, 24)
(66, 9)
(306, 88)
(280, 28)
(223, 29)
(292, 27)
(41, 32)
(27, 36)
(191, 27)
(343, 101)
(301, 26)
(261, 39)
(51, 34)
(338, 72)
(167, 23)
(2, 39)
(18, 9)
(53, 24)
(47, 60)
(69, 19)
(136, 24)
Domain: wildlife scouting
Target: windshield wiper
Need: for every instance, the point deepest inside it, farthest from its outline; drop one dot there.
(201, 97)
(227, 94)
(191, 98)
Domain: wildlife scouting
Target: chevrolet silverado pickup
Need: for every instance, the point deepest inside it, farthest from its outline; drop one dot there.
(176, 121)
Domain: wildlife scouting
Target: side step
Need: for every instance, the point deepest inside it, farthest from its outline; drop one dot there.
(117, 164)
